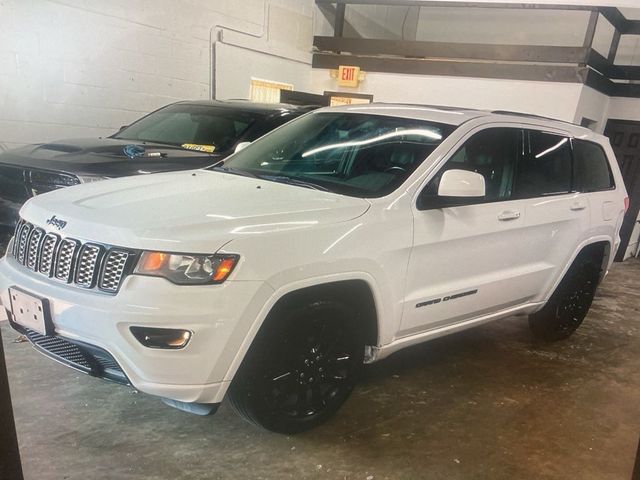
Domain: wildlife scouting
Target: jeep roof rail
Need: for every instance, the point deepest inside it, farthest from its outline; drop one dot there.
(438, 107)
(531, 115)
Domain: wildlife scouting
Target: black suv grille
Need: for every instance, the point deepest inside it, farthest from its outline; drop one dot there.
(81, 356)
(87, 265)
(17, 184)
(42, 182)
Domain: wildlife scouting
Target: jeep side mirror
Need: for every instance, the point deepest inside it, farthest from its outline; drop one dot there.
(241, 145)
(461, 183)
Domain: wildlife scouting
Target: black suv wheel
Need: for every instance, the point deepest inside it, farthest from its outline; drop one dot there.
(569, 304)
(301, 367)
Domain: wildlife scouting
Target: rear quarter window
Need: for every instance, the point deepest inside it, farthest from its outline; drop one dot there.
(591, 170)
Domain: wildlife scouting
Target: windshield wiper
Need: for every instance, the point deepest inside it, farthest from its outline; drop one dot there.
(142, 140)
(235, 171)
(294, 181)
(273, 178)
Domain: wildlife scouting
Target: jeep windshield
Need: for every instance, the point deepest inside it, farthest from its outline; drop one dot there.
(195, 127)
(347, 153)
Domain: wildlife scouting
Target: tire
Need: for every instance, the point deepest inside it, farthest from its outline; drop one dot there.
(569, 304)
(301, 367)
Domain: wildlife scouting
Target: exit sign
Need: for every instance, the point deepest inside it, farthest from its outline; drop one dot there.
(348, 76)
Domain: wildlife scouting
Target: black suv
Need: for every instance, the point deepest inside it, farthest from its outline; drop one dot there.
(180, 136)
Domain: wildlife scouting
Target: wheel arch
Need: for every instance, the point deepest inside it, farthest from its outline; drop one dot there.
(356, 290)
(601, 250)
(597, 247)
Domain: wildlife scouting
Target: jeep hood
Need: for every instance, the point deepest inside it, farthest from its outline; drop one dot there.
(196, 211)
(106, 157)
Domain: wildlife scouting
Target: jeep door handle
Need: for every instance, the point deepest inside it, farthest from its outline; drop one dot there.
(578, 206)
(508, 215)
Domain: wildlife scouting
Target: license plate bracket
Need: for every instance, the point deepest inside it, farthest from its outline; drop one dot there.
(31, 311)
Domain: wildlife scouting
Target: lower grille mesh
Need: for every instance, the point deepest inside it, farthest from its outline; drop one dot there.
(60, 348)
(86, 358)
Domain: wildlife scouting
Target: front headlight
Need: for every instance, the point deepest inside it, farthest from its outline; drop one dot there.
(187, 269)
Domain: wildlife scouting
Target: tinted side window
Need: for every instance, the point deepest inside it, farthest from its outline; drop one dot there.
(591, 171)
(545, 166)
(492, 153)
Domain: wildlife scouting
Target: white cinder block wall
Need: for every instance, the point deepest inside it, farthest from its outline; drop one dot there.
(71, 68)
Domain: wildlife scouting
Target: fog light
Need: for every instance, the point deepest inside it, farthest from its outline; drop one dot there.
(167, 338)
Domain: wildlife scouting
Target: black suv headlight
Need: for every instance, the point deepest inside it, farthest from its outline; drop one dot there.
(187, 269)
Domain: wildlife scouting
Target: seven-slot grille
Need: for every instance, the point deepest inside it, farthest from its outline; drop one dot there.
(87, 265)
(113, 270)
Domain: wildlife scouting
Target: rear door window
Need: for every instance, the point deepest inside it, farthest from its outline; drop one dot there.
(545, 165)
(591, 171)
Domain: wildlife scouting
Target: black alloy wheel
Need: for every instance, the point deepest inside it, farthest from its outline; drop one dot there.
(301, 368)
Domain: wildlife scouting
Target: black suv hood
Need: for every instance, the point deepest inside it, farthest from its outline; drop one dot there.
(106, 157)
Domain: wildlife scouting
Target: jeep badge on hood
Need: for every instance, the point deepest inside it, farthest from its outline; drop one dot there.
(56, 222)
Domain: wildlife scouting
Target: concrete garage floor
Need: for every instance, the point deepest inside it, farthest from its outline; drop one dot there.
(484, 404)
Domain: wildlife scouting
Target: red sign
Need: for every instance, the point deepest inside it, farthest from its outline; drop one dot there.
(348, 76)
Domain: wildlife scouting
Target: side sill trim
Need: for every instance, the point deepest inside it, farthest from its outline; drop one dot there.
(378, 353)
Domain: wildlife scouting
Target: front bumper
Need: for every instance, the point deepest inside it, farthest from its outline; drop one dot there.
(218, 315)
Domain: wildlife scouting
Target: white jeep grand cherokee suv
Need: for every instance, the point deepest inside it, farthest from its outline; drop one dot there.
(334, 241)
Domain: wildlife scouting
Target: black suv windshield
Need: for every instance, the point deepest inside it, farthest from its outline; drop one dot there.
(348, 153)
(193, 126)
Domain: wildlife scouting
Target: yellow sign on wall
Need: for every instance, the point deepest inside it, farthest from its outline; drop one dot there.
(348, 76)
(337, 100)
